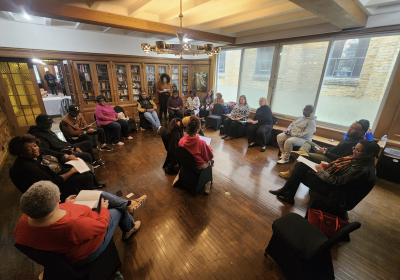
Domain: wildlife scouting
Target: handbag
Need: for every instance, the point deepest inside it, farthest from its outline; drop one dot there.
(327, 223)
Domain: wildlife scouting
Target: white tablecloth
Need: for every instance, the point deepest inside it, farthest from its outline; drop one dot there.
(52, 105)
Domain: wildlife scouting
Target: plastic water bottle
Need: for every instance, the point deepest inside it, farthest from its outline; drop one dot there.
(384, 139)
(119, 276)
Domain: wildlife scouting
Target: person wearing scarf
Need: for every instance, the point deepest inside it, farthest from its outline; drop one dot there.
(342, 177)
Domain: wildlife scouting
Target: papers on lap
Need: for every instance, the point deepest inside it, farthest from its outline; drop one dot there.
(307, 162)
(79, 164)
(206, 139)
(88, 198)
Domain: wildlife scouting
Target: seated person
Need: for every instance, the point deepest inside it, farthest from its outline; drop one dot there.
(368, 135)
(218, 100)
(35, 164)
(206, 103)
(148, 108)
(239, 113)
(171, 141)
(175, 105)
(260, 125)
(192, 104)
(340, 177)
(75, 128)
(185, 122)
(298, 132)
(49, 140)
(317, 154)
(107, 118)
(74, 231)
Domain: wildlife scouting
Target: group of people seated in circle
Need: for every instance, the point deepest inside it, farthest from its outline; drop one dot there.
(49, 186)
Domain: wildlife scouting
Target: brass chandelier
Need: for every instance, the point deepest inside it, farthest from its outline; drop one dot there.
(183, 48)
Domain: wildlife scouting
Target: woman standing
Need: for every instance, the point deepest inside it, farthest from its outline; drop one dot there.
(206, 103)
(237, 119)
(192, 104)
(262, 123)
(164, 89)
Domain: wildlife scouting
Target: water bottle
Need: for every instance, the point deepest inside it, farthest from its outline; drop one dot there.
(383, 141)
(119, 276)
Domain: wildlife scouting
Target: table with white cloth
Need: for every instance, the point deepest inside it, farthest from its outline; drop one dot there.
(52, 105)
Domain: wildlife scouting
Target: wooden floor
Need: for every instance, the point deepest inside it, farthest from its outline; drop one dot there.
(217, 236)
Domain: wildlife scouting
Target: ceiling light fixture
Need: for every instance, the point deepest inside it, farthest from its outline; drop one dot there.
(183, 48)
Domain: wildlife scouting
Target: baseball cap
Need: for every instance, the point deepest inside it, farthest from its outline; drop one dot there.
(43, 118)
(74, 108)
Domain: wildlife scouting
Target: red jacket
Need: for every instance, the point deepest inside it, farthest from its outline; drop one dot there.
(198, 148)
(76, 235)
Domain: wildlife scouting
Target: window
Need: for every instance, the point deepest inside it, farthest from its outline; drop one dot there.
(227, 81)
(264, 60)
(347, 58)
(221, 62)
(252, 84)
(39, 81)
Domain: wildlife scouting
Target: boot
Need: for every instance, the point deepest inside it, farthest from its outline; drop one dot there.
(286, 174)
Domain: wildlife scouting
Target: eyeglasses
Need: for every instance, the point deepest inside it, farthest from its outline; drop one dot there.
(357, 150)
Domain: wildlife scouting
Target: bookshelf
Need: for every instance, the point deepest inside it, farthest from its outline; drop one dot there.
(136, 81)
(151, 81)
(175, 78)
(122, 82)
(104, 81)
(185, 80)
(86, 83)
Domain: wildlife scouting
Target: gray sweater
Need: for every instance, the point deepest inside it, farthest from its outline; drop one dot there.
(303, 127)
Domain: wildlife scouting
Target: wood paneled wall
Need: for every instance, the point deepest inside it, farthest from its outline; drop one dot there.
(5, 137)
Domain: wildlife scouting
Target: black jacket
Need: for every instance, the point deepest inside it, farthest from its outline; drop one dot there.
(48, 139)
(25, 172)
(264, 115)
(204, 101)
(343, 149)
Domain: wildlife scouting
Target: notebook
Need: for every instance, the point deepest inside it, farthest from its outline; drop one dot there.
(88, 198)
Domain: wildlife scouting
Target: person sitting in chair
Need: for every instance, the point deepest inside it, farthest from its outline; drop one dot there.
(344, 176)
(107, 118)
(298, 132)
(218, 100)
(192, 104)
(148, 108)
(206, 103)
(239, 114)
(35, 164)
(74, 231)
(317, 154)
(171, 140)
(76, 129)
(175, 105)
(260, 125)
(49, 140)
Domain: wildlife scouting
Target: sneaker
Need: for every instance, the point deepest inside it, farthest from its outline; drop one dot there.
(98, 163)
(158, 129)
(208, 188)
(224, 136)
(106, 148)
(129, 138)
(283, 161)
(296, 154)
(118, 144)
(126, 235)
(229, 138)
(285, 174)
(136, 204)
(99, 184)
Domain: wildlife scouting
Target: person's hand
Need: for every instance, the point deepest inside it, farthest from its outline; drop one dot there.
(74, 170)
(254, 122)
(202, 107)
(91, 130)
(320, 151)
(70, 198)
(104, 203)
(115, 119)
(319, 167)
(78, 150)
(211, 106)
(237, 119)
(207, 107)
(71, 157)
(288, 133)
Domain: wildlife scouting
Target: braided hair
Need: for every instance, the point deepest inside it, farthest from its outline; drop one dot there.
(193, 126)
(364, 125)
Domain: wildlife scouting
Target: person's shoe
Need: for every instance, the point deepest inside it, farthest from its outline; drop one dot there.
(126, 235)
(208, 188)
(285, 174)
(229, 138)
(158, 129)
(286, 199)
(118, 144)
(106, 148)
(99, 185)
(296, 154)
(224, 136)
(279, 192)
(263, 149)
(252, 145)
(136, 204)
(98, 163)
(283, 160)
(128, 138)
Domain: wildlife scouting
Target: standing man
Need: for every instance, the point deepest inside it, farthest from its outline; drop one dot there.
(51, 82)
(76, 129)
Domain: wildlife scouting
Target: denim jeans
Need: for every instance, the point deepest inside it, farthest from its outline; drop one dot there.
(118, 217)
(152, 118)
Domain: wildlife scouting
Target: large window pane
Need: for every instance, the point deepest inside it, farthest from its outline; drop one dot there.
(228, 75)
(256, 73)
(299, 74)
(353, 88)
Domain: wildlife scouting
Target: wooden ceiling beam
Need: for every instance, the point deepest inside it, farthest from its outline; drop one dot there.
(187, 7)
(136, 8)
(268, 21)
(104, 19)
(341, 13)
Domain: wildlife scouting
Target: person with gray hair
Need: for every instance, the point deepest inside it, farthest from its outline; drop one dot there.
(299, 131)
(74, 231)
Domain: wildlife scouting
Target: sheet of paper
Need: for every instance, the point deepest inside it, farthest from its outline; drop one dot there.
(79, 164)
(205, 139)
(307, 162)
